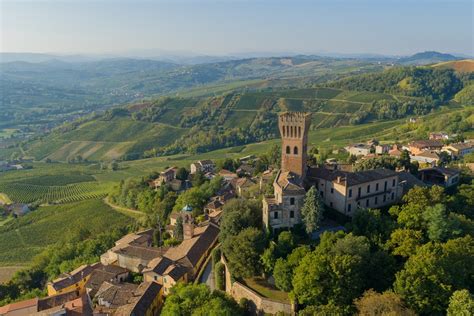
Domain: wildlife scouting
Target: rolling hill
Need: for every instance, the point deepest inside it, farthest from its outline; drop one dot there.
(425, 58)
(465, 65)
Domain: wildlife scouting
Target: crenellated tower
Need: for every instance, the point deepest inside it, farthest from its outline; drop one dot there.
(294, 128)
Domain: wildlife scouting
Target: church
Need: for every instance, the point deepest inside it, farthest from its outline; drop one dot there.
(343, 191)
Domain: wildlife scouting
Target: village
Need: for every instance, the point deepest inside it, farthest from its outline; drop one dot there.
(135, 276)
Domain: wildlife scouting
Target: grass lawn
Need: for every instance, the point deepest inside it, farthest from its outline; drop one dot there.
(262, 287)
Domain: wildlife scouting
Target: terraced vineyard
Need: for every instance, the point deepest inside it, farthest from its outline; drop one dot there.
(29, 193)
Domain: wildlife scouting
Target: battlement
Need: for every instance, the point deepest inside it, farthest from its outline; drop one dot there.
(294, 117)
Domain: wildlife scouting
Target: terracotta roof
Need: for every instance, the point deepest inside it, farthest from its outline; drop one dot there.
(461, 146)
(158, 265)
(141, 301)
(428, 154)
(175, 271)
(225, 172)
(214, 204)
(18, 305)
(289, 181)
(139, 237)
(116, 294)
(426, 143)
(102, 274)
(74, 276)
(193, 248)
(350, 178)
(145, 253)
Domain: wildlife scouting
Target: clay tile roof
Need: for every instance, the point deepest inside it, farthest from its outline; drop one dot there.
(214, 204)
(158, 265)
(19, 305)
(351, 178)
(145, 253)
(141, 301)
(116, 294)
(289, 181)
(176, 272)
(428, 154)
(426, 143)
(74, 276)
(194, 248)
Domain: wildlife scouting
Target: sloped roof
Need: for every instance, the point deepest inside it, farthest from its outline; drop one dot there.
(445, 171)
(426, 143)
(145, 253)
(158, 265)
(141, 300)
(351, 178)
(19, 305)
(193, 248)
(116, 294)
(74, 276)
(289, 181)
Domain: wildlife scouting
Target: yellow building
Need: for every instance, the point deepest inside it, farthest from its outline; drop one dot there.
(73, 281)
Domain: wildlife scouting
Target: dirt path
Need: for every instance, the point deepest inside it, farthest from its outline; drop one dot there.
(124, 210)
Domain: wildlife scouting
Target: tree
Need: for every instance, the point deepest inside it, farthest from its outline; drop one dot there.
(182, 174)
(439, 227)
(404, 242)
(283, 271)
(387, 303)
(269, 258)
(336, 271)
(324, 310)
(312, 210)
(285, 243)
(178, 229)
(461, 303)
(435, 271)
(371, 224)
(192, 299)
(243, 252)
(239, 214)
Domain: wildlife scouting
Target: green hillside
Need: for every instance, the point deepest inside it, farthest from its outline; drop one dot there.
(27, 236)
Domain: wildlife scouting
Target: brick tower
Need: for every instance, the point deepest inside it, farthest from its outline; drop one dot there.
(294, 127)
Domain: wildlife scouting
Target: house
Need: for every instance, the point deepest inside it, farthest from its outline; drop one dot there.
(438, 136)
(72, 281)
(111, 296)
(146, 300)
(242, 185)
(110, 273)
(183, 262)
(382, 149)
(427, 157)
(18, 209)
(165, 177)
(445, 177)
(458, 150)
(213, 206)
(347, 191)
(358, 149)
(135, 258)
(203, 166)
(245, 170)
(395, 151)
(69, 303)
(419, 146)
(227, 175)
(186, 213)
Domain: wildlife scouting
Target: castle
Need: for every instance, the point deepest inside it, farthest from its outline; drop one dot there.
(343, 191)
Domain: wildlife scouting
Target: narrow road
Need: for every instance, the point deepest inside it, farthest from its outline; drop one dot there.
(208, 276)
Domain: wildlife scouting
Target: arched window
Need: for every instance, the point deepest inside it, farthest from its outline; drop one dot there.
(291, 131)
(288, 150)
(284, 131)
(287, 131)
(299, 131)
(295, 150)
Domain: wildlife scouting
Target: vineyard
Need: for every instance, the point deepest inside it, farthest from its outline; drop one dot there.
(29, 193)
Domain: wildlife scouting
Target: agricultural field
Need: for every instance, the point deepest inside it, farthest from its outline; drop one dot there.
(27, 236)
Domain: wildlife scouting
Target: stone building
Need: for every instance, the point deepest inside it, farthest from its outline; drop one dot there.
(282, 210)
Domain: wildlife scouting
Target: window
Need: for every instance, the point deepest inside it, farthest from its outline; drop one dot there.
(358, 203)
(322, 193)
(291, 131)
(350, 192)
(287, 131)
(292, 214)
(288, 150)
(330, 204)
(332, 190)
(358, 193)
(376, 187)
(155, 277)
(385, 186)
(393, 182)
(299, 131)
(393, 195)
(284, 131)
(368, 188)
(367, 203)
(295, 150)
(376, 200)
(349, 208)
(275, 215)
(292, 201)
(384, 198)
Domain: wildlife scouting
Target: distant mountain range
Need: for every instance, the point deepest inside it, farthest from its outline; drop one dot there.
(422, 58)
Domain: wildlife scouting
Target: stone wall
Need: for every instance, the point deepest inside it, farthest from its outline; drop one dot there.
(258, 304)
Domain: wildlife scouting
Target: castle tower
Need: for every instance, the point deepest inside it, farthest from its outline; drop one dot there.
(294, 128)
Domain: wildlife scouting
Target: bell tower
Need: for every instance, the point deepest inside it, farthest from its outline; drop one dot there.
(294, 128)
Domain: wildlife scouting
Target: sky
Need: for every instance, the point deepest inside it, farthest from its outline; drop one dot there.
(225, 27)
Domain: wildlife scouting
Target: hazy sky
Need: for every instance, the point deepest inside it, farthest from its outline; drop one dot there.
(234, 26)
